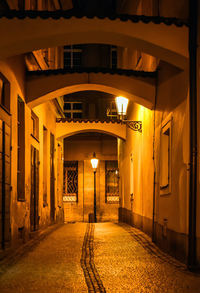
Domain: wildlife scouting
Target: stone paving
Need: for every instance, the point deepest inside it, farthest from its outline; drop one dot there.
(119, 256)
(52, 267)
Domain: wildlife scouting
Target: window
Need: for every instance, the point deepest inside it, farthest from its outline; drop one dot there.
(73, 110)
(72, 56)
(113, 109)
(44, 167)
(165, 157)
(112, 182)
(21, 151)
(21, 4)
(131, 177)
(45, 4)
(70, 186)
(35, 126)
(33, 4)
(113, 57)
(4, 93)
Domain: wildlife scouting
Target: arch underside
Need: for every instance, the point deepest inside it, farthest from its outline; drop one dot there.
(40, 89)
(67, 129)
(166, 42)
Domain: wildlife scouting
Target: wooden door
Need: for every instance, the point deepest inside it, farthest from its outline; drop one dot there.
(52, 179)
(34, 215)
(5, 172)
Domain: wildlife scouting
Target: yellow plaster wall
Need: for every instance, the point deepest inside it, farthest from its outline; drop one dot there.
(140, 146)
(172, 97)
(14, 70)
(47, 118)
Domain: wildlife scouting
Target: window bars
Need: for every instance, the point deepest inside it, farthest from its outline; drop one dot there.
(70, 186)
(112, 182)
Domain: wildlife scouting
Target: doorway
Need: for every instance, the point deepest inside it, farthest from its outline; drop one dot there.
(52, 179)
(5, 172)
(34, 216)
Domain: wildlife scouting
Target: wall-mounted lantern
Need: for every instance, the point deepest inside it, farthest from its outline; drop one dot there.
(122, 106)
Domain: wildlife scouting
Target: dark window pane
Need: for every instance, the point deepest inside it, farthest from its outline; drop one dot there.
(68, 115)
(77, 59)
(67, 106)
(77, 55)
(77, 106)
(77, 115)
(114, 59)
(21, 4)
(67, 65)
(33, 4)
(67, 55)
(67, 47)
(77, 47)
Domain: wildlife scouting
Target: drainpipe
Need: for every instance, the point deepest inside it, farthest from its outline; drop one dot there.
(192, 260)
(154, 174)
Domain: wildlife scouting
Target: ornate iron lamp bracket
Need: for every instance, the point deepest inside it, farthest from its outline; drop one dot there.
(134, 125)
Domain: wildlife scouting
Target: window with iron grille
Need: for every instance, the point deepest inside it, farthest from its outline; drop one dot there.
(112, 182)
(70, 186)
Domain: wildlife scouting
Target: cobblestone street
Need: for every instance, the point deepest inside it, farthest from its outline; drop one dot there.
(102, 257)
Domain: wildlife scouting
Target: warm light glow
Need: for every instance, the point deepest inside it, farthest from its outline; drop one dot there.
(94, 161)
(121, 104)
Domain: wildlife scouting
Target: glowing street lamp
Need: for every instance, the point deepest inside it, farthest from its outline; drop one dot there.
(94, 162)
(122, 105)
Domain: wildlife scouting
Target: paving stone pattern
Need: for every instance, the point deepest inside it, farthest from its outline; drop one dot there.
(126, 265)
(101, 257)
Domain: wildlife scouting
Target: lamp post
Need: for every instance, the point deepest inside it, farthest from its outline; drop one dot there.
(94, 162)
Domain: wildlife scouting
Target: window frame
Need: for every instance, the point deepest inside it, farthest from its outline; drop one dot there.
(113, 49)
(71, 197)
(20, 149)
(71, 49)
(111, 199)
(72, 111)
(166, 136)
(5, 94)
(35, 126)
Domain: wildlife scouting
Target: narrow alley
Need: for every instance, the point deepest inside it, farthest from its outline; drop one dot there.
(100, 257)
(99, 146)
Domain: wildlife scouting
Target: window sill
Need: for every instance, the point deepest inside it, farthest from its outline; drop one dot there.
(164, 187)
(165, 190)
(21, 200)
(5, 109)
(35, 138)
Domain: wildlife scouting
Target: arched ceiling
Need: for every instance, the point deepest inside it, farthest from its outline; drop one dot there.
(66, 129)
(167, 42)
(43, 87)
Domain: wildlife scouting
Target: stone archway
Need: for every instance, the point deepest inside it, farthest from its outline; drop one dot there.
(36, 31)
